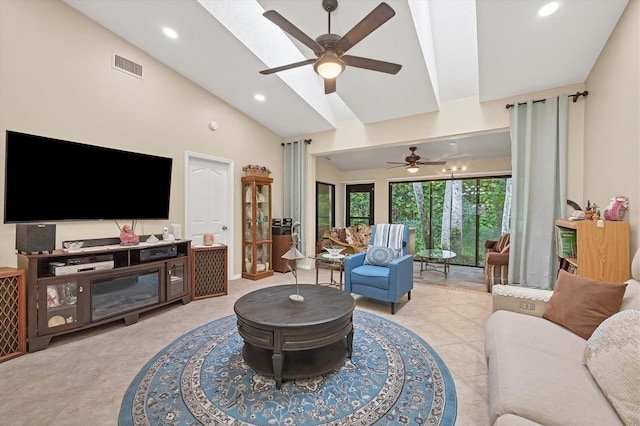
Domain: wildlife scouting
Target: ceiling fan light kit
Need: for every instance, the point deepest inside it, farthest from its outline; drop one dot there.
(413, 168)
(330, 48)
(329, 65)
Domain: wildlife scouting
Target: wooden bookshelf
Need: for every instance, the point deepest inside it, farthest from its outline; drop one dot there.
(601, 253)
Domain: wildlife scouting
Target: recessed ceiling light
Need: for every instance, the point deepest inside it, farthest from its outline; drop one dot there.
(170, 32)
(548, 8)
(259, 97)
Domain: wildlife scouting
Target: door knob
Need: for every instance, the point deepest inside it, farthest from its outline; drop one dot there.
(224, 227)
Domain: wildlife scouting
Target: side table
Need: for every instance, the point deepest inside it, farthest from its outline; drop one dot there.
(435, 256)
(334, 263)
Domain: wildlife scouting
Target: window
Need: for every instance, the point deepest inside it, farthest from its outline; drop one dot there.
(325, 208)
(360, 204)
(453, 214)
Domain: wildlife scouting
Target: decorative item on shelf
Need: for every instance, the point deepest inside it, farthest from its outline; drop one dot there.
(128, 236)
(71, 246)
(588, 211)
(294, 254)
(53, 299)
(255, 170)
(166, 236)
(207, 239)
(617, 207)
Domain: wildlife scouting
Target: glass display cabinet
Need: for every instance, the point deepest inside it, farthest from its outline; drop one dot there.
(256, 235)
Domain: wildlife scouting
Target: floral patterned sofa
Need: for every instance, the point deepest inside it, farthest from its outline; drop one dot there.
(354, 239)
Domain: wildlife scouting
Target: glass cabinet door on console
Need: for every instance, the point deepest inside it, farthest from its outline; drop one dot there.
(59, 308)
(256, 235)
(177, 280)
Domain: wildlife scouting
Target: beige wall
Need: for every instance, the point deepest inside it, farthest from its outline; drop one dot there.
(56, 80)
(612, 121)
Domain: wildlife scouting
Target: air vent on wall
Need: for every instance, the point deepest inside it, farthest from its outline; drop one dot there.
(127, 65)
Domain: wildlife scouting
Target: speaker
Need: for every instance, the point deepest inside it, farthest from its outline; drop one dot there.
(35, 238)
(176, 230)
(13, 315)
(209, 271)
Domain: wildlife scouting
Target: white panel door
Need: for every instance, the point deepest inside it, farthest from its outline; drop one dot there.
(209, 199)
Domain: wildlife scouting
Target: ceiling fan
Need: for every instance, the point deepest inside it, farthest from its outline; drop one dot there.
(330, 48)
(412, 161)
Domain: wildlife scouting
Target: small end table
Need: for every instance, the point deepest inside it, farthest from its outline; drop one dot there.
(435, 256)
(335, 263)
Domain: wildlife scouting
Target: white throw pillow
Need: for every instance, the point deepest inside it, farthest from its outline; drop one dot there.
(612, 355)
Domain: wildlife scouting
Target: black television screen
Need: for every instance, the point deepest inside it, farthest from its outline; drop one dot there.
(49, 179)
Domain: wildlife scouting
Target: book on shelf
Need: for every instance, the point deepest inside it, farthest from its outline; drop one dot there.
(566, 242)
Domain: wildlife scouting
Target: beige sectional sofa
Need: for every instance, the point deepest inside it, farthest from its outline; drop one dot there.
(543, 373)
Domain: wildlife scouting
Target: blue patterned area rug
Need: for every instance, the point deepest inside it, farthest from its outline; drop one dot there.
(394, 377)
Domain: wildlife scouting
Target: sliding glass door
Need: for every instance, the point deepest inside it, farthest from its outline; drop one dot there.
(453, 214)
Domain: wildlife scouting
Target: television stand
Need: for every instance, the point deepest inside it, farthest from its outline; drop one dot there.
(143, 277)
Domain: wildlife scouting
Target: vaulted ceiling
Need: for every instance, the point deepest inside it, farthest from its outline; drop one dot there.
(492, 49)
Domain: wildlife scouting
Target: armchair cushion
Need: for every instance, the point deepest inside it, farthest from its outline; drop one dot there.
(496, 261)
(380, 256)
(502, 242)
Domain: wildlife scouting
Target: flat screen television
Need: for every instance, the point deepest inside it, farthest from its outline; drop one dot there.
(48, 180)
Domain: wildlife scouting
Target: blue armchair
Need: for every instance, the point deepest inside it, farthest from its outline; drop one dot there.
(386, 283)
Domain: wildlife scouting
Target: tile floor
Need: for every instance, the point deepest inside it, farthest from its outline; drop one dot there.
(80, 378)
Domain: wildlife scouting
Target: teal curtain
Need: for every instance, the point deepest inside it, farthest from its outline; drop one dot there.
(539, 179)
(295, 184)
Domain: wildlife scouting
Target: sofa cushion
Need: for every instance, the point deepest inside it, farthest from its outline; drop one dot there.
(379, 256)
(513, 420)
(502, 242)
(581, 304)
(545, 388)
(530, 332)
(631, 299)
(635, 266)
(612, 355)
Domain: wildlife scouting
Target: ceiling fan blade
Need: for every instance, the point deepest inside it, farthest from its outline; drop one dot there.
(294, 31)
(378, 16)
(329, 85)
(371, 64)
(393, 167)
(288, 67)
(395, 162)
(432, 163)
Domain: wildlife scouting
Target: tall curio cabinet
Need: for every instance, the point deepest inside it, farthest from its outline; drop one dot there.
(256, 235)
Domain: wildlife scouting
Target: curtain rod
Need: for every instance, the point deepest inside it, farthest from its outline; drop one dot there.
(575, 97)
(308, 142)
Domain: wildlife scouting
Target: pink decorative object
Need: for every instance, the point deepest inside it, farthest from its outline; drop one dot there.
(127, 236)
(616, 208)
(207, 239)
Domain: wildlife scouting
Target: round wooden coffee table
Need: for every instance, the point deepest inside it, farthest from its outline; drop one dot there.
(291, 340)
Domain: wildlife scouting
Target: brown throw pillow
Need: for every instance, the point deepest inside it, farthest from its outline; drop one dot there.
(581, 304)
